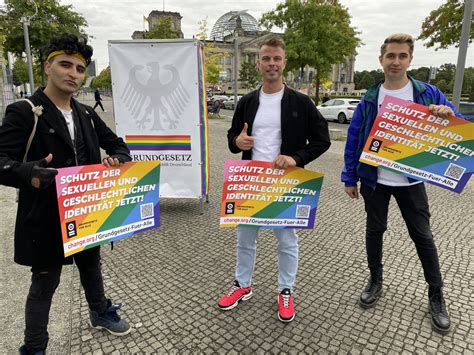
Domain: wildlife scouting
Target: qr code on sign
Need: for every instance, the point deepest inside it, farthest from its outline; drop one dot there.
(146, 211)
(454, 171)
(302, 211)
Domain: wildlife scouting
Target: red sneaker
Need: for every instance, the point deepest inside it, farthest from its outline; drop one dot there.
(286, 309)
(234, 295)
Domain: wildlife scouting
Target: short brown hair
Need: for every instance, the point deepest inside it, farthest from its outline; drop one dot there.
(398, 38)
(273, 42)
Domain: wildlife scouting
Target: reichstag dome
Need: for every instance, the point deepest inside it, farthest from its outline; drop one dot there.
(227, 23)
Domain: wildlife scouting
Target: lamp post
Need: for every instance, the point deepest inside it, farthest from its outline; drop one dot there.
(26, 21)
(238, 27)
(236, 67)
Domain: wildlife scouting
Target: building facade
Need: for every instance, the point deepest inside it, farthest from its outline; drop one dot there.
(154, 19)
(237, 36)
(239, 32)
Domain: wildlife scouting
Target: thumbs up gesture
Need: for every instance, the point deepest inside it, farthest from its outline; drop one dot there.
(41, 175)
(244, 141)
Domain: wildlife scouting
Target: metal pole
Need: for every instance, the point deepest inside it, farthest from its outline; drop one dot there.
(464, 42)
(236, 74)
(26, 22)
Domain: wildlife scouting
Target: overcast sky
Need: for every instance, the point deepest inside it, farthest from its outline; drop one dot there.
(117, 19)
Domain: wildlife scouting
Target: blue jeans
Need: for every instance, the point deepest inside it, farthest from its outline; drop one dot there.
(287, 256)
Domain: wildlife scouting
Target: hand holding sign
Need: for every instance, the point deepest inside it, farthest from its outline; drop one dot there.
(442, 111)
(244, 141)
(283, 162)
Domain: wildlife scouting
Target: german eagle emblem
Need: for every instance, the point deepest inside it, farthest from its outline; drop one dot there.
(153, 103)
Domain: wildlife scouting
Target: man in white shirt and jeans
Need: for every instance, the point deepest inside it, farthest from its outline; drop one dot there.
(277, 124)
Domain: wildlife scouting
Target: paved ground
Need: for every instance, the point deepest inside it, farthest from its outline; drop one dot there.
(170, 279)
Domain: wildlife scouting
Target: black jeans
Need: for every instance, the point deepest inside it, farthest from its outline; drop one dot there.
(98, 103)
(413, 203)
(44, 282)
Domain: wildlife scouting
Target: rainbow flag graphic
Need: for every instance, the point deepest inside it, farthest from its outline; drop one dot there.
(174, 142)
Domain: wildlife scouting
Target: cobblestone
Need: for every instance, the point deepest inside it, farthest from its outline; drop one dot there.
(169, 280)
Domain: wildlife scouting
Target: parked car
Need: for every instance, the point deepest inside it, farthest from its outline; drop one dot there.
(229, 104)
(340, 110)
(467, 110)
(220, 98)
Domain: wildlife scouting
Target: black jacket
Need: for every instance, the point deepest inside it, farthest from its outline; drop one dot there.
(38, 239)
(97, 96)
(304, 131)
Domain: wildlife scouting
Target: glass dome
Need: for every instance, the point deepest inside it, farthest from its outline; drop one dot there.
(227, 23)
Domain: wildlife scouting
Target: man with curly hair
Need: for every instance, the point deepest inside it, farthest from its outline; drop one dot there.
(67, 133)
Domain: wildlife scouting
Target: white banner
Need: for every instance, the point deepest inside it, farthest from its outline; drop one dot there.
(155, 87)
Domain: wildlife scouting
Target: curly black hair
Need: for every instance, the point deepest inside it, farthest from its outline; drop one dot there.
(69, 43)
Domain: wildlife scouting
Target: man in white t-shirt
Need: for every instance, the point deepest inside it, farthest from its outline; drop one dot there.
(378, 185)
(277, 124)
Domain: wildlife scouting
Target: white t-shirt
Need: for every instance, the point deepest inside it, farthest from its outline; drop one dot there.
(266, 128)
(69, 121)
(386, 177)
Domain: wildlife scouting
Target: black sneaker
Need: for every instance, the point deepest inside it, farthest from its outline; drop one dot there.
(23, 350)
(110, 320)
(440, 321)
(371, 294)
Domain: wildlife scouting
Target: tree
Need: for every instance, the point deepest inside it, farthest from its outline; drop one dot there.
(20, 72)
(422, 73)
(442, 28)
(443, 85)
(211, 55)
(2, 44)
(367, 81)
(249, 74)
(317, 33)
(52, 19)
(164, 29)
(468, 83)
(103, 80)
(445, 75)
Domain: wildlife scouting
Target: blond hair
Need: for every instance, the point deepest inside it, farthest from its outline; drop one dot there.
(398, 38)
(273, 42)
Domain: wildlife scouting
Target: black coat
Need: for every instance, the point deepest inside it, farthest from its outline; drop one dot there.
(304, 131)
(97, 96)
(38, 239)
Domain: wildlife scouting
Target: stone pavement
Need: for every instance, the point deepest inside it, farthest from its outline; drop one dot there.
(169, 280)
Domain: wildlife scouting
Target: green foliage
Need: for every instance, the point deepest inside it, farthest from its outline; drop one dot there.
(444, 78)
(20, 72)
(422, 73)
(471, 91)
(317, 33)
(2, 44)
(52, 19)
(103, 80)
(468, 83)
(367, 81)
(362, 81)
(442, 28)
(163, 30)
(211, 55)
(443, 86)
(249, 74)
